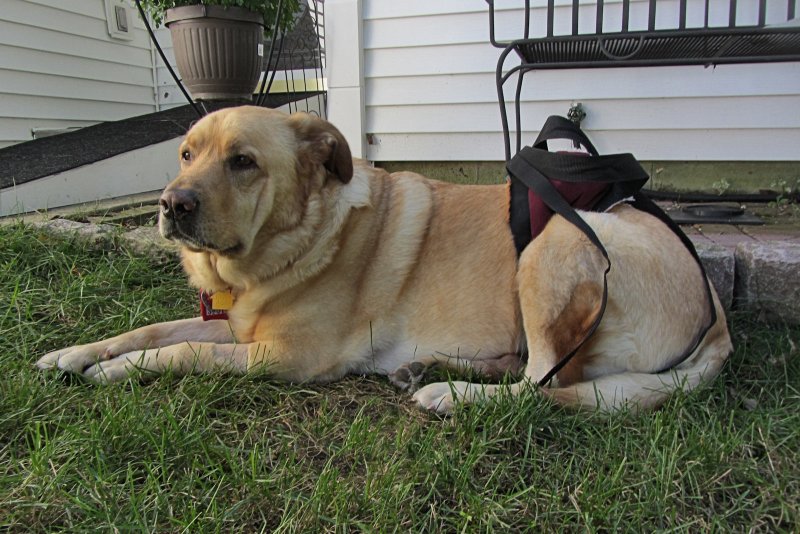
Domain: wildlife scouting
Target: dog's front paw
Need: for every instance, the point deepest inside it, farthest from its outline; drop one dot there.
(120, 368)
(75, 359)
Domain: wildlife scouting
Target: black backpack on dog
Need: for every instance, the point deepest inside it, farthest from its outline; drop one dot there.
(544, 183)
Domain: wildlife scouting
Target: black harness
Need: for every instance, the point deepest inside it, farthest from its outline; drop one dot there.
(533, 173)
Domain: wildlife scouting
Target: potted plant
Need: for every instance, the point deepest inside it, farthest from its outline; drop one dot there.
(219, 44)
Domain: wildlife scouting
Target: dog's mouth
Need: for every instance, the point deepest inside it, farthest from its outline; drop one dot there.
(190, 239)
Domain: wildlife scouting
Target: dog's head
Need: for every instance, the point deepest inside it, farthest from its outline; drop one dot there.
(245, 170)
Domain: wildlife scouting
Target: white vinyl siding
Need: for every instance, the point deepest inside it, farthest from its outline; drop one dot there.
(169, 95)
(429, 84)
(59, 68)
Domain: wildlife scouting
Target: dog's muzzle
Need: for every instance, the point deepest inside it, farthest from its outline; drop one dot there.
(178, 204)
(179, 208)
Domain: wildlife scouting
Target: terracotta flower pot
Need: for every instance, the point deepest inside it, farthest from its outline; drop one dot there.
(218, 50)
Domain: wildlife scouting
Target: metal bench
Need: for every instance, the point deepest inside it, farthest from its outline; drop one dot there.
(636, 33)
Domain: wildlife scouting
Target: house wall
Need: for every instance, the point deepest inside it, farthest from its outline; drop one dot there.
(428, 80)
(60, 68)
(167, 91)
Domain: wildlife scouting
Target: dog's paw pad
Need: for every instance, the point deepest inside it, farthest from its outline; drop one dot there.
(408, 376)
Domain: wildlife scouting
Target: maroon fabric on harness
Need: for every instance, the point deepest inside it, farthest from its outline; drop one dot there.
(579, 195)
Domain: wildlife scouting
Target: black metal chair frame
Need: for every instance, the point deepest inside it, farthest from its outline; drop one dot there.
(706, 45)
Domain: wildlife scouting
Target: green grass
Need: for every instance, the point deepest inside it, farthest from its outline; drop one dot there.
(216, 453)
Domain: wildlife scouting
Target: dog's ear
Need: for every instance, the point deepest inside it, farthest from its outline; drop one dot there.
(324, 144)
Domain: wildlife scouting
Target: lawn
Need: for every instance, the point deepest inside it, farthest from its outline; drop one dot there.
(216, 453)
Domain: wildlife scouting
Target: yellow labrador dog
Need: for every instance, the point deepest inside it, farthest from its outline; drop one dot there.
(331, 267)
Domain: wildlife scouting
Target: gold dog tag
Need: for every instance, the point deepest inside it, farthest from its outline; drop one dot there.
(222, 300)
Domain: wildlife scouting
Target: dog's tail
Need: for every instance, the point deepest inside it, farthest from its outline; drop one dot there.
(645, 391)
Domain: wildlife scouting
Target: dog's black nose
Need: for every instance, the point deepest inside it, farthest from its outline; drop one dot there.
(178, 203)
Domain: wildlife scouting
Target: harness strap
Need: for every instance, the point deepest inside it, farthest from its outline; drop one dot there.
(533, 168)
(533, 179)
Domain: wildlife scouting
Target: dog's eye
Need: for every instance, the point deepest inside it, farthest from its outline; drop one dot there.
(186, 155)
(241, 162)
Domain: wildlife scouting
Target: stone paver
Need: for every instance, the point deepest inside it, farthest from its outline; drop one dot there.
(148, 241)
(768, 279)
(719, 264)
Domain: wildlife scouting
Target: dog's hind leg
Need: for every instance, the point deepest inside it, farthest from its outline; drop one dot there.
(409, 376)
(618, 367)
(636, 391)
(560, 280)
